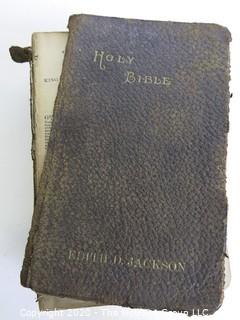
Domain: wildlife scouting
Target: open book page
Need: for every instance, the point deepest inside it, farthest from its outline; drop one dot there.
(47, 57)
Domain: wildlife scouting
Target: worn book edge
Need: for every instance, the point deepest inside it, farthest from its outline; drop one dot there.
(41, 107)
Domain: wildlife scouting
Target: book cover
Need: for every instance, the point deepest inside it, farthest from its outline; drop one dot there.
(48, 52)
(137, 157)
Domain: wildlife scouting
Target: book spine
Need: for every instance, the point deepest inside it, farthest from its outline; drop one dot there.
(22, 55)
(40, 108)
(28, 251)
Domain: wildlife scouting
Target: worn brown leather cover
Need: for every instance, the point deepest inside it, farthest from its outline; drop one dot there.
(132, 205)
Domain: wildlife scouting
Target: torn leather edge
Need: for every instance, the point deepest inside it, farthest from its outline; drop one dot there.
(21, 54)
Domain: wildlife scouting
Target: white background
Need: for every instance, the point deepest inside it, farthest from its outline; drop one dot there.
(18, 19)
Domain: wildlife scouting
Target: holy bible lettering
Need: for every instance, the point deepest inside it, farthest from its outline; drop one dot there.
(102, 58)
(133, 78)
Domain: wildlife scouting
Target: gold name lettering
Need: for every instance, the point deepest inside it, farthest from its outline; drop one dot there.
(82, 257)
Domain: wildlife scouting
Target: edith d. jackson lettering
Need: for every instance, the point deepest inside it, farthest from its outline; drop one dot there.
(132, 262)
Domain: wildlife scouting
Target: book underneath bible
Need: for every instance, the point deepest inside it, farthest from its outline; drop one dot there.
(131, 207)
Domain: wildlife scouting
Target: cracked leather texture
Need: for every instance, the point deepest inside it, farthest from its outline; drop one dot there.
(136, 169)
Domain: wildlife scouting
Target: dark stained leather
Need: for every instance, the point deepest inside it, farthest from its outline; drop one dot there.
(19, 54)
(136, 169)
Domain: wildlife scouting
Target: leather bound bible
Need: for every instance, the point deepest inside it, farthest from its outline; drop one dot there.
(131, 207)
(48, 51)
